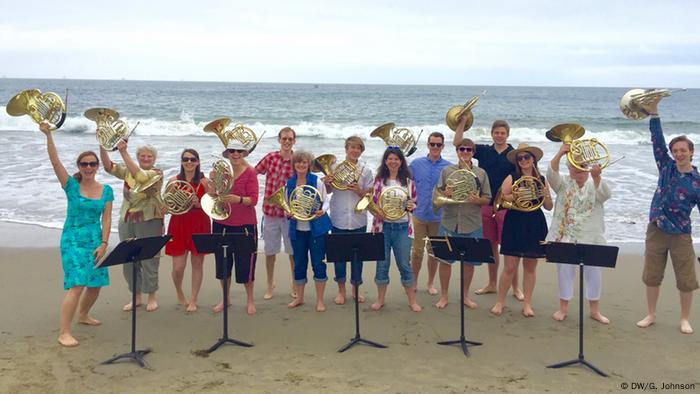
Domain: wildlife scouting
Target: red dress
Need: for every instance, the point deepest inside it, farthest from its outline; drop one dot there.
(181, 227)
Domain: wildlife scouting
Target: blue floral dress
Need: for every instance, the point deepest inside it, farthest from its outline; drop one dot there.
(82, 234)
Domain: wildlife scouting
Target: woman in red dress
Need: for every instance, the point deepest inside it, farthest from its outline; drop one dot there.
(181, 228)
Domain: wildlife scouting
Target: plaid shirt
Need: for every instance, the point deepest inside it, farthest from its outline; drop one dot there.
(277, 171)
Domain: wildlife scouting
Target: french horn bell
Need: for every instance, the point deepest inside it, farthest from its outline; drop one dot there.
(583, 153)
(304, 201)
(401, 137)
(110, 129)
(344, 174)
(222, 182)
(392, 203)
(243, 134)
(633, 103)
(456, 112)
(39, 106)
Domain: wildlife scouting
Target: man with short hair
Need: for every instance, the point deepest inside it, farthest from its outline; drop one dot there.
(426, 172)
(493, 159)
(277, 168)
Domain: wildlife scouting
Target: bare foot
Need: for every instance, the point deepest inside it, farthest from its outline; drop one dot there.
(268, 295)
(442, 303)
(191, 307)
(646, 322)
(600, 318)
(415, 307)
(469, 303)
(320, 306)
(295, 303)
(339, 299)
(432, 290)
(293, 294)
(250, 309)
(219, 307)
(485, 290)
(518, 294)
(685, 327)
(89, 321)
(377, 306)
(151, 306)
(559, 315)
(68, 340)
(362, 299)
(528, 312)
(181, 300)
(497, 309)
(127, 307)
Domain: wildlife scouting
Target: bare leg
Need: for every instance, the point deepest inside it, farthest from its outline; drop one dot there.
(299, 299)
(354, 294)
(270, 265)
(381, 295)
(595, 312)
(411, 293)
(197, 275)
(510, 266)
(128, 306)
(250, 304)
(220, 305)
(293, 294)
(493, 273)
(560, 315)
(445, 273)
(152, 304)
(68, 307)
(468, 275)
(432, 269)
(86, 302)
(686, 302)
(416, 265)
(340, 298)
(529, 277)
(652, 299)
(178, 273)
(517, 293)
(320, 289)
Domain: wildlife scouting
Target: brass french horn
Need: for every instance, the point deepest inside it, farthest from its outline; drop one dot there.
(584, 153)
(39, 106)
(110, 129)
(463, 183)
(392, 203)
(528, 195)
(143, 180)
(221, 181)
(456, 112)
(344, 174)
(633, 103)
(401, 137)
(304, 201)
(245, 135)
(178, 197)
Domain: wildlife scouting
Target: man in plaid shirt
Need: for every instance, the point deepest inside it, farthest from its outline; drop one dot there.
(277, 168)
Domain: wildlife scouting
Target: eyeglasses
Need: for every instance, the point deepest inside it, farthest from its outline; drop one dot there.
(465, 149)
(286, 138)
(235, 151)
(85, 164)
(524, 157)
(190, 159)
(435, 144)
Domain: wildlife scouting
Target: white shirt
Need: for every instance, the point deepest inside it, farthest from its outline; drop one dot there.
(303, 225)
(343, 215)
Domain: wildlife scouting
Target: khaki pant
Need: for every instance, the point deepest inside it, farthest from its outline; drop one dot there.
(656, 249)
(147, 275)
(421, 230)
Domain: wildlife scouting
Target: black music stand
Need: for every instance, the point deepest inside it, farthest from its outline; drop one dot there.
(355, 247)
(133, 251)
(465, 250)
(211, 243)
(582, 255)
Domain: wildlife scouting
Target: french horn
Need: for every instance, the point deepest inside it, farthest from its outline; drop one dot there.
(392, 203)
(245, 135)
(633, 103)
(304, 201)
(143, 180)
(583, 153)
(463, 183)
(456, 112)
(110, 129)
(178, 197)
(401, 137)
(221, 182)
(39, 106)
(344, 174)
(528, 195)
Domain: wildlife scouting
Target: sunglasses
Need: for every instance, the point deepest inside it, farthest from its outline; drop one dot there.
(86, 164)
(465, 149)
(235, 151)
(190, 159)
(435, 144)
(524, 157)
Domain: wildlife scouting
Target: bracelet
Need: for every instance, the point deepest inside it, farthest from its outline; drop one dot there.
(103, 242)
(241, 199)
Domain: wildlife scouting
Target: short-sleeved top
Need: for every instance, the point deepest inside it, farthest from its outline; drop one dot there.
(495, 164)
(142, 206)
(425, 173)
(342, 204)
(463, 218)
(246, 185)
(277, 171)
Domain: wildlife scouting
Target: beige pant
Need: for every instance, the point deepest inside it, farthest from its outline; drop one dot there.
(147, 274)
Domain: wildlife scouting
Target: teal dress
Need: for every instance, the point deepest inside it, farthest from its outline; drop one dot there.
(82, 234)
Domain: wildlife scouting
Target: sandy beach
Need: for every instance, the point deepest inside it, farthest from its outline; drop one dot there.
(295, 350)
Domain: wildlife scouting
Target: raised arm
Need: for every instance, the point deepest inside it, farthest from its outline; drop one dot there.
(553, 176)
(128, 161)
(459, 133)
(106, 161)
(58, 167)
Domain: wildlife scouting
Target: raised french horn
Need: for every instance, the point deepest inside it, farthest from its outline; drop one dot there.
(584, 153)
(221, 183)
(178, 197)
(304, 201)
(48, 107)
(456, 112)
(463, 184)
(245, 135)
(633, 103)
(110, 129)
(401, 137)
(392, 203)
(344, 174)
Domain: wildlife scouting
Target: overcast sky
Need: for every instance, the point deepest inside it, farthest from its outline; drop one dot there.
(643, 43)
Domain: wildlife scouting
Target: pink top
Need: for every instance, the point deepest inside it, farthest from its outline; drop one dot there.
(246, 185)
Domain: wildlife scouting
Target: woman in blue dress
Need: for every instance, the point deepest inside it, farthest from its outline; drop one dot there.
(84, 238)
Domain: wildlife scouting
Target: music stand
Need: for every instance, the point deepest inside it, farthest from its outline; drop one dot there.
(133, 251)
(355, 247)
(582, 255)
(465, 250)
(211, 243)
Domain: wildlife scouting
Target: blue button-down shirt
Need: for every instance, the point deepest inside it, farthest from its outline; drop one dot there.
(426, 173)
(676, 192)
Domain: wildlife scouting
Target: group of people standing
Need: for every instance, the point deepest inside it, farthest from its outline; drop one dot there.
(577, 217)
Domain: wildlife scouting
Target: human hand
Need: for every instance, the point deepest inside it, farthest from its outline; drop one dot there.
(596, 170)
(99, 252)
(121, 146)
(45, 127)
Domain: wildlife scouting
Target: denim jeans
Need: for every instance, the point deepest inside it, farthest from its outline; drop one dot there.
(303, 245)
(396, 238)
(355, 268)
(478, 233)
